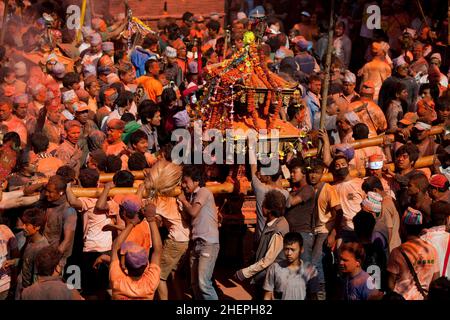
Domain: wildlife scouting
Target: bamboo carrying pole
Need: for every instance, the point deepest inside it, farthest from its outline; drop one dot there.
(358, 144)
(106, 177)
(375, 141)
(422, 14)
(83, 15)
(420, 163)
(326, 82)
(228, 187)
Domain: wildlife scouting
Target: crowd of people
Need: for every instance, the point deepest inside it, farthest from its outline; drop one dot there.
(109, 105)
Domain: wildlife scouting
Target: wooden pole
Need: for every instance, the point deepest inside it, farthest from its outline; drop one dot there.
(83, 15)
(420, 163)
(225, 45)
(375, 141)
(326, 83)
(106, 177)
(422, 14)
(228, 187)
(5, 16)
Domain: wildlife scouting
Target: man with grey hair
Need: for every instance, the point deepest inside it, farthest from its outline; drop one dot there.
(172, 70)
(94, 53)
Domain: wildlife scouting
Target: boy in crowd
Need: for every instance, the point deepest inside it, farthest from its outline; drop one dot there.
(299, 215)
(33, 223)
(204, 233)
(292, 278)
(326, 218)
(130, 273)
(49, 284)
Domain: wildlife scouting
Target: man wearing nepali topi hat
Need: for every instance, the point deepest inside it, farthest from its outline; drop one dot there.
(20, 110)
(348, 94)
(172, 70)
(94, 53)
(69, 151)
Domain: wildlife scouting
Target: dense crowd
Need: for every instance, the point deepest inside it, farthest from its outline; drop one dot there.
(74, 110)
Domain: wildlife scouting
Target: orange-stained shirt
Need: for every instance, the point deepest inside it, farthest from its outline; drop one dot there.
(14, 124)
(167, 208)
(125, 288)
(153, 87)
(140, 234)
(113, 149)
(48, 165)
(350, 197)
(372, 116)
(425, 260)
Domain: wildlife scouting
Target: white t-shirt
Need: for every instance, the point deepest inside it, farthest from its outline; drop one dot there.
(439, 238)
(351, 196)
(90, 58)
(94, 238)
(7, 243)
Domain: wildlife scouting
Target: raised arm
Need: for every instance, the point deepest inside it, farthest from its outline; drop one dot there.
(192, 209)
(117, 31)
(102, 203)
(140, 191)
(73, 200)
(150, 215)
(326, 148)
(119, 240)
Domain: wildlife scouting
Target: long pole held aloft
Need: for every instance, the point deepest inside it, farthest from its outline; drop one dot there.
(5, 16)
(422, 14)
(83, 15)
(326, 83)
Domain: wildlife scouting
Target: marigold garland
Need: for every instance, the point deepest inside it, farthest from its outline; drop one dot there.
(251, 108)
(245, 72)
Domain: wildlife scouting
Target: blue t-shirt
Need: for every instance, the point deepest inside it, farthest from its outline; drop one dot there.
(358, 287)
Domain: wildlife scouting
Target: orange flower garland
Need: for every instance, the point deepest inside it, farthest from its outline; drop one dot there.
(251, 108)
(276, 114)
